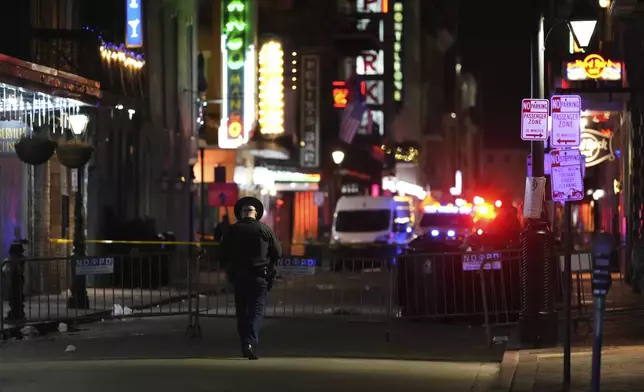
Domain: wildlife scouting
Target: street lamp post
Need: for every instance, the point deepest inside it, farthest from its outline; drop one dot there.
(338, 158)
(78, 298)
(535, 242)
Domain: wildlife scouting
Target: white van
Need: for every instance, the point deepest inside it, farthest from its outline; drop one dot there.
(367, 220)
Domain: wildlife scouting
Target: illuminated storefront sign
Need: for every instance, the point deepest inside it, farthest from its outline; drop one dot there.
(398, 48)
(366, 6)
(372, 62)
(340, 94)
(271, 88)
(310, 111)
(10, 134)
(238, 70)
(597, 146)
(133, 28)
(403, 188)
(267, 178)
(594, 67)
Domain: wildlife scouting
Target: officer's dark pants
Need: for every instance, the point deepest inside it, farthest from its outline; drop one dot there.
(250, 298)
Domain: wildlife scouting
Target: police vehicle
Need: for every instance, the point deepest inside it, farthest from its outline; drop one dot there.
(362, 224)
(447, 223)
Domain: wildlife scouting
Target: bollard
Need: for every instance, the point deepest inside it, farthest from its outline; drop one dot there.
(193, 330)
(536, 326)
(548, 317)
(16, 279)
(603, 246)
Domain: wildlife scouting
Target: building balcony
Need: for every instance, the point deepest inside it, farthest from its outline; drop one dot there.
(83, 53)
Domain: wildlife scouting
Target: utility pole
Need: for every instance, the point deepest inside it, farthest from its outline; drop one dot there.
(538, 91)
(538, 321)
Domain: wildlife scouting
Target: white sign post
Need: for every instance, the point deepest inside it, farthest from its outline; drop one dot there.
(566, 115)
(535, 190)
(534, 119)
(567, 179)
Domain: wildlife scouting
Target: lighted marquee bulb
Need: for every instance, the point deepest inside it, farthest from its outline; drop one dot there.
(271, 100)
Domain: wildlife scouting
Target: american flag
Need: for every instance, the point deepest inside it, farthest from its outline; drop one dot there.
(353, 112)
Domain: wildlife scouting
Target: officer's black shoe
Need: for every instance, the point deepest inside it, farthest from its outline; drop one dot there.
(251, 352)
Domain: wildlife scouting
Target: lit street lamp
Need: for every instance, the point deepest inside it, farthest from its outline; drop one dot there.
(535, 238)
(582, 31)
(78, 298)
(338, 157)
(336, 184)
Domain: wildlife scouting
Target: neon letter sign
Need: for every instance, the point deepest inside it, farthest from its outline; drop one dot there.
(595, 67)
(398, 35)
(234, 29)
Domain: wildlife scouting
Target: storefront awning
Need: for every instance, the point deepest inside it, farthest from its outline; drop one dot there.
(24, 76)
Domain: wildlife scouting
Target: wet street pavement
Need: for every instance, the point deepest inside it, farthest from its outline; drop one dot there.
(147, 354)
(215, 375)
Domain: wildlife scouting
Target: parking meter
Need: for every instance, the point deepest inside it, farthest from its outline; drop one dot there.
(603, 247)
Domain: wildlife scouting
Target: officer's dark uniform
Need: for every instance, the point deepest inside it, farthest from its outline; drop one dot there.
(250, 249)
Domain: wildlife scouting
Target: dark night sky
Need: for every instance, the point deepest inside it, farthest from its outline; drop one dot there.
(495, 46)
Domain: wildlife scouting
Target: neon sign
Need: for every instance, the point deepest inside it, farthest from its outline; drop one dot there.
(271, 88)
(594, 67)
(398, 34)
(340, 94)
(235, 42)
(597, 146)
(10, 134)
(133, 30)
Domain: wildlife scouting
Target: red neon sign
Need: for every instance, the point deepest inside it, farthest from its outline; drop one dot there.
(340, 94)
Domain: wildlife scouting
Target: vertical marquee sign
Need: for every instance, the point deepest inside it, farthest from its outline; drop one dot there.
(371, 64)
(398, 50)
(310, 111)
(133, 28)
(235, 26)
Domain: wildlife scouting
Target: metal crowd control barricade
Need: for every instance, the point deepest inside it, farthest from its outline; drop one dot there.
(448, 285)
(500, 289)
(308, 284)
(311, 283)
(580, 267)
(118, 286)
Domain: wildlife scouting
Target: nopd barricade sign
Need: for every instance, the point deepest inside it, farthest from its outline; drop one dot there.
(473, 261)
(94, 266)
(296, 266)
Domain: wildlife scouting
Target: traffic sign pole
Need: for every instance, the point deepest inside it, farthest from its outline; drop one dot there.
(538, 319)
(567, 186)
(567, 293)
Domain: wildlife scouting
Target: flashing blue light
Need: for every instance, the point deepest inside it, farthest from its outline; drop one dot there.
(435, 233)
(451, 233)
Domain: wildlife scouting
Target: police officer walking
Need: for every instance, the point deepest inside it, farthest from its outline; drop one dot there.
(250, 249)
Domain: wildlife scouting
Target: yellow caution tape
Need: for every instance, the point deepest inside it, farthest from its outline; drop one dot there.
(196, 243)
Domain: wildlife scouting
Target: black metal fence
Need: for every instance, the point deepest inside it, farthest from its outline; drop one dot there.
(475, 286)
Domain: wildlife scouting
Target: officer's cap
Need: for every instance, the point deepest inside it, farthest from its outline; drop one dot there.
(249, 204)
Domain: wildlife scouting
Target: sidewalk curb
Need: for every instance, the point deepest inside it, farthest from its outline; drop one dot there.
(505, 378)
